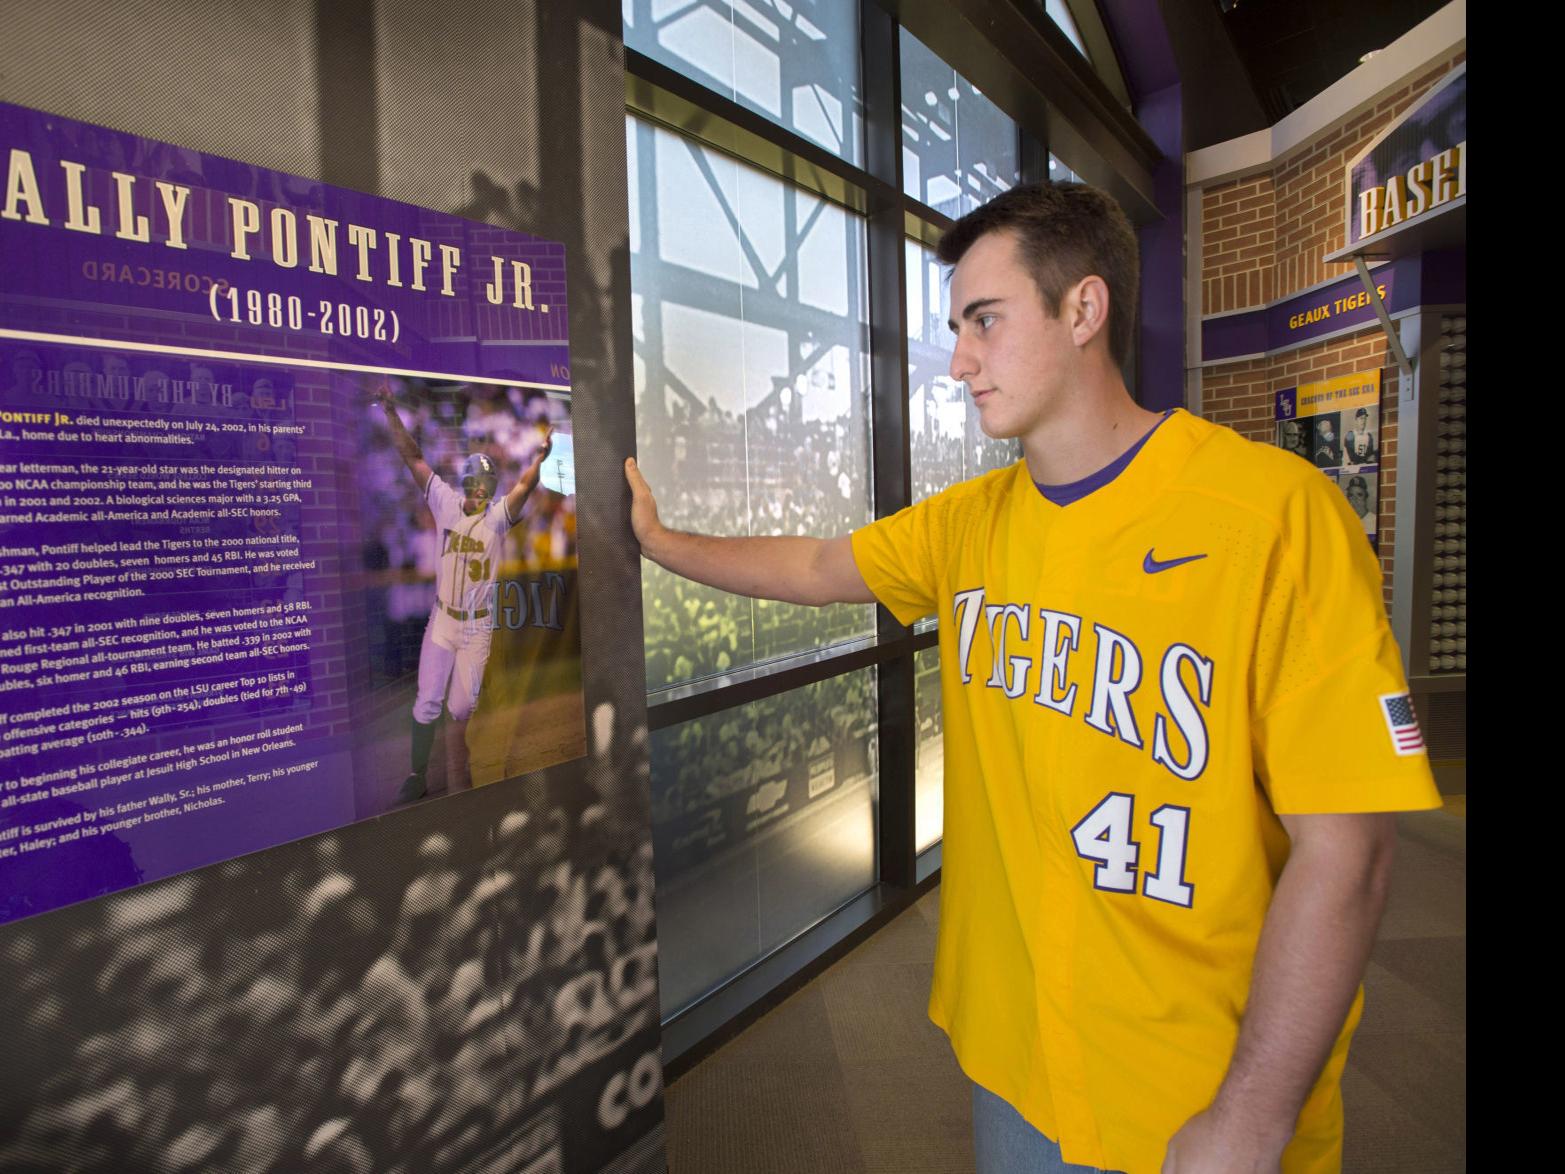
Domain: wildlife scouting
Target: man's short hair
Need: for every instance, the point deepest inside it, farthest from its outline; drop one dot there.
(1358, 481)
(1064, 232)
(1361, 412)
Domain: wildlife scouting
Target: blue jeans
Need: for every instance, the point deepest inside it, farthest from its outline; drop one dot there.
(1006, 1144)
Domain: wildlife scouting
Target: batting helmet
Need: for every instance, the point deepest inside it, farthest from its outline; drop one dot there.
(481, 469)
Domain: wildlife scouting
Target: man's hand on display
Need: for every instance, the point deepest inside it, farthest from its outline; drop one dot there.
(384, 397)
(643, 507)
(1210, 1143)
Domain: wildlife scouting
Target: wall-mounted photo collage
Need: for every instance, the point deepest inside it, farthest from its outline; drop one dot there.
(1335, 425)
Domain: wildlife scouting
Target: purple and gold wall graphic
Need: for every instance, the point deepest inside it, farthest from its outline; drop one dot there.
(216, 573)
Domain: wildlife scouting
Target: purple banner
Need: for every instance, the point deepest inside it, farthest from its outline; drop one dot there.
(257, 436)
(107, 236)
(1340, 306)
(1428, 279)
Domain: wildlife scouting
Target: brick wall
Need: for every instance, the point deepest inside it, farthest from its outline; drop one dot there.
(1264, 237)
(1238, 240)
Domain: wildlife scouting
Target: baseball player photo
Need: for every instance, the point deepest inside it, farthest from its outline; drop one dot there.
(1290, 438)
(1359, 446)
(1328, 442)
(472, 519)
(1159, 898)
(1360, 490)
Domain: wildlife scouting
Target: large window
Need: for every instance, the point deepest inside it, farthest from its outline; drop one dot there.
(794, 61)
(958, 149)
(1061, 16)
(930, 760)
(763, 823)
(752, 399)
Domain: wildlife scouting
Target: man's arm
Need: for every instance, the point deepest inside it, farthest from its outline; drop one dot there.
(815, 571)
(528, 481)
(1312, 954)
(407, 448)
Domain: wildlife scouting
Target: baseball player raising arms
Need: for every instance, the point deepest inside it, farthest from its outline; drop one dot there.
(1157, 901)
(472, 527)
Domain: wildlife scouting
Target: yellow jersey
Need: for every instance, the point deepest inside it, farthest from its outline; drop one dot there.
(1135, 685)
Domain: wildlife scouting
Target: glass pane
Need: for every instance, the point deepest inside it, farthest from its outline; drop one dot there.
(751, 377)
(958, 149)
(763, 822)
(1061, 16)
(794, 61)
(1060, 173)
(947, 443)
(929, 784)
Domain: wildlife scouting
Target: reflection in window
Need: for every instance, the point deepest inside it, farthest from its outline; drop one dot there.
(958, 149)
(947, 443)
(752, 403)
(930, 756)
(763, 822)
(795, 62)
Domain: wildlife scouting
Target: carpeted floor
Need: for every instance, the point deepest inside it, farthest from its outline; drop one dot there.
(848, 1076)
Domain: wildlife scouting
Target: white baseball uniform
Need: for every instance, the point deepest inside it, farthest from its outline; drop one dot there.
(456, 639)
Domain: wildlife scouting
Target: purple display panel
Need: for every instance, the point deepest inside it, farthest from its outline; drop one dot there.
(218, 572)
(110, 236)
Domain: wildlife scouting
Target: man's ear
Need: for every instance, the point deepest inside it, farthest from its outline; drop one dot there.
(1087, 310)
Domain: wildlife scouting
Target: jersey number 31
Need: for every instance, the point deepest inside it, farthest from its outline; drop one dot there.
(1103, 835)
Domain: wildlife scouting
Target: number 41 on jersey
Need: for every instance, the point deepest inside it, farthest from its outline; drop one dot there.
(1104, 836)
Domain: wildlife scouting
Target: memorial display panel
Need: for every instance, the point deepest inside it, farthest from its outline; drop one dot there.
(227, 596)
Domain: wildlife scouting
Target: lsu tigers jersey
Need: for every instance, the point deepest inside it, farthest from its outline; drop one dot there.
(1135, 686)
(471, 547)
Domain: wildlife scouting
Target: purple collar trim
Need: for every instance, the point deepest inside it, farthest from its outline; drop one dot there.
(1076, 490)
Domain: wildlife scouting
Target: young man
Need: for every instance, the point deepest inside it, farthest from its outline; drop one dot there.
(1156, 902)
(455, 651)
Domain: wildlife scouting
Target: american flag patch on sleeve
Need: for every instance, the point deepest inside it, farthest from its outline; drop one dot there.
(1406, 738)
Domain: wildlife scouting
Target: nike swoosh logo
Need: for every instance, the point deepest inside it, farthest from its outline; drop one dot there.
(1152, 566)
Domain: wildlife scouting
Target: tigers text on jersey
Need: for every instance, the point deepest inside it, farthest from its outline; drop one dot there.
(1134, 686)
(471, 547)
